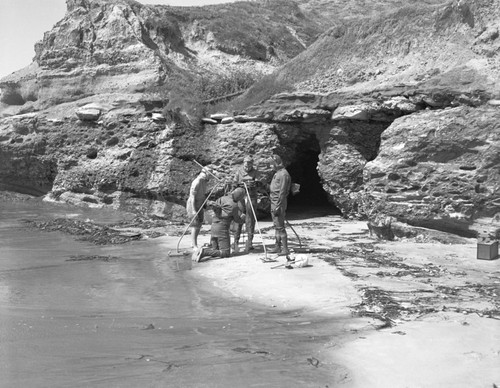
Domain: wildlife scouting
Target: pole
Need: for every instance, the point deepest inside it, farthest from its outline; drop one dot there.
(196, 215)
(291, 227)
(256, 222)
(210, 172)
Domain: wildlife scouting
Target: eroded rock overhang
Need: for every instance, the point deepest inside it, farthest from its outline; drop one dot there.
(425, 157)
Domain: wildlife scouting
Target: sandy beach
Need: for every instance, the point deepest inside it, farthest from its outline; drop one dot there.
(424, 309)
(415, 312)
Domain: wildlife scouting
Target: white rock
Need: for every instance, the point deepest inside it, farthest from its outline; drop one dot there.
(227, 120)
(206, 120)
(350, 112)
(88, 114)
(218, 116)
(157, 117)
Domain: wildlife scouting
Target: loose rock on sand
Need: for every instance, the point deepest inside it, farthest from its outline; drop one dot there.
(436, 307)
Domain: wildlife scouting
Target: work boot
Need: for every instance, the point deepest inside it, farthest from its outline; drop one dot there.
(284, 251)
(236, 245)
(249, 245)
(277, 244)
(276, 249)
(198, 254)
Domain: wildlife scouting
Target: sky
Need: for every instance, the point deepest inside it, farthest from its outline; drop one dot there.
(23, 22)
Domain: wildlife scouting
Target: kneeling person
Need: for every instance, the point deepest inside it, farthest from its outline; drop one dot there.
(225, 210)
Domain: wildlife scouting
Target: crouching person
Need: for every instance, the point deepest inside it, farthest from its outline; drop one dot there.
(225, 211)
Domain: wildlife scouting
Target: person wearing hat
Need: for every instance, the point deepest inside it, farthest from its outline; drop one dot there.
(278, 194)
(197, 196)
(251, 177)
(225, 211)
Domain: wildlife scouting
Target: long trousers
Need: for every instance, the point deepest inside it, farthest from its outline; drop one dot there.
(249, 221)
(220, 246)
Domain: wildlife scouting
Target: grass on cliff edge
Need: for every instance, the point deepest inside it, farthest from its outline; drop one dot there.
(351, 45)
(190, 92)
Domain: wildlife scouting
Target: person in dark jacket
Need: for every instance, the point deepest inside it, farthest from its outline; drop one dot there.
(251, 177)
(278, 195)
(225, 211)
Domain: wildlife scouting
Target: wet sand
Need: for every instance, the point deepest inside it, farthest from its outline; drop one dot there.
(80, 315)
(437, 320)
(410, 313)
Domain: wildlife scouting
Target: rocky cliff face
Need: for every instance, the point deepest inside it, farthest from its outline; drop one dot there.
(440, 169)
(412, 112)
(397, 115)
(123, 46)
(84, 122)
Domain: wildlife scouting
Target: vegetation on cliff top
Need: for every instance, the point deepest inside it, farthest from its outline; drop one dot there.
(256, 30)
(412, 43)
(263, 30)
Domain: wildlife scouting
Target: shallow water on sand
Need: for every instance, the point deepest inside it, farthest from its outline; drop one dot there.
(134, 321)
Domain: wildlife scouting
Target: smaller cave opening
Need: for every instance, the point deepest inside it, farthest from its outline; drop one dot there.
(312, 200)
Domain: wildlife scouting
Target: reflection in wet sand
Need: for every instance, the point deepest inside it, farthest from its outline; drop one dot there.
(136, 321)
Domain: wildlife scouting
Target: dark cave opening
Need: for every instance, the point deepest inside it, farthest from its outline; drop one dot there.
(312, 200)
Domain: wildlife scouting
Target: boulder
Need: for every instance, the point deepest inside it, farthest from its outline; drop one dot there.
(247, 118)
(218, 116)
(303, 115)
(439, 169)
(227, 120)
(357, 112)
(88, 114)
(207, 120)
(157, 117)
(400, 104)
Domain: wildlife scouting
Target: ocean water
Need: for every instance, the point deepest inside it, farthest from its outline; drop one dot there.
(135, 320)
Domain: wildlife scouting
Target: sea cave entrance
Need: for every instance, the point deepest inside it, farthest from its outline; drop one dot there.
(312, 200)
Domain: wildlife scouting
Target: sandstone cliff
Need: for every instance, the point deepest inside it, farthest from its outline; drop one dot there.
(397, 114)
(84, 122)
(410, 102)
(123, 46)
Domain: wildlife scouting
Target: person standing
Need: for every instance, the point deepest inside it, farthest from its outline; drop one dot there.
(225, 210)
(251, 177)
(278, 195)
(197, 196)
